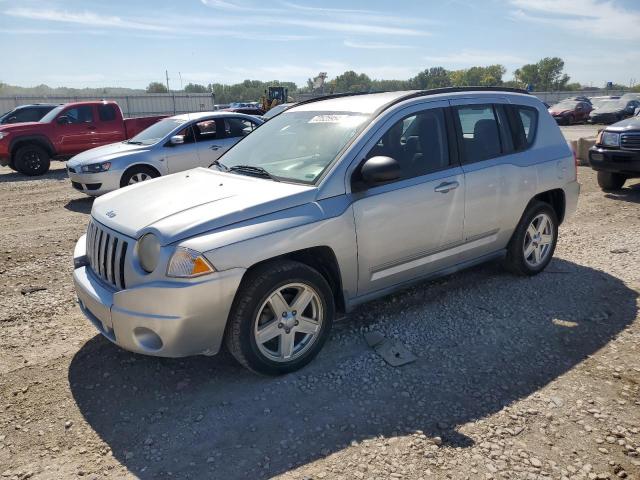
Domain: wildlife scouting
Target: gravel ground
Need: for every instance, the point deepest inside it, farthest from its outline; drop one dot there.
(516, 378)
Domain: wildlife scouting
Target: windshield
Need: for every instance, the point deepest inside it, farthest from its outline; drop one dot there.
(49, 117)
(156, 132)
(565, 105)
(613, 105)
(296, 146)
(600, 102)
(276, 110)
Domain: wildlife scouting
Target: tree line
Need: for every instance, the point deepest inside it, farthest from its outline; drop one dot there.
(545, 75)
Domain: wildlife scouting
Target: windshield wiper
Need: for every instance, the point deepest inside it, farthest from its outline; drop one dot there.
(253, 170)
(218, 163)
(130, 142)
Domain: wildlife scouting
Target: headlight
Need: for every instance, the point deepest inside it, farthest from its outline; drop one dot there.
(96, 167)
(3, 135)
(148, 252)
(610, 139)
(187, 263)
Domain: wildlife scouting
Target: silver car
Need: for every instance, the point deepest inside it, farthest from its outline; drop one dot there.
(332, 203)
(172, 145)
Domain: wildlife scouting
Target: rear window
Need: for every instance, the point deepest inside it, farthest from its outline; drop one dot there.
(107, 113)
(524, 123)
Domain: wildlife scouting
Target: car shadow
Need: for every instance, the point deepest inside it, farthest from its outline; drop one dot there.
(483, 338)
(631, 193)
(80, 205)
(12, 176)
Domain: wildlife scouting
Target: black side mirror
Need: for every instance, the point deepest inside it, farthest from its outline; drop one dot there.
(380, 170)
(63, 120)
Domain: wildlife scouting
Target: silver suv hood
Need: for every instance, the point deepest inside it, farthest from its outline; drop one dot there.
(188, 203)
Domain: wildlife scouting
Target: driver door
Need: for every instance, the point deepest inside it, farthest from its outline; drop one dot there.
(183, 156)
(410, 227)
(76, 130)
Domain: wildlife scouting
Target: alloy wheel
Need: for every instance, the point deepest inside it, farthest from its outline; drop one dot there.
(538, 240)
(288, 322)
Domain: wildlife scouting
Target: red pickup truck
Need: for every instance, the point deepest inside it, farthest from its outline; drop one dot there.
(66, 131)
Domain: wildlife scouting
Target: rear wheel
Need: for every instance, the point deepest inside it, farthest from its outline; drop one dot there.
(534, 241)
(611, 181)
(137, 174)
(32, 160)
(281, 317)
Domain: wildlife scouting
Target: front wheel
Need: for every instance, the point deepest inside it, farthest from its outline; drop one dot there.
(281, 317)
(611, 181)
(32, 160)
(534, 241)
(137, 174)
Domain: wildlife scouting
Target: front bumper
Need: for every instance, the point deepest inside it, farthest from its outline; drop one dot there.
(166, 318)
(94, 184)
(626, 162)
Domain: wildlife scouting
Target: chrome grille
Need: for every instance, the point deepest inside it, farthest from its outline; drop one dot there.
(630, 141)
(107, 252)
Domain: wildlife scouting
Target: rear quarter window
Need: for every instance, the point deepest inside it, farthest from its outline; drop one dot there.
(107, 113)
(524, 126)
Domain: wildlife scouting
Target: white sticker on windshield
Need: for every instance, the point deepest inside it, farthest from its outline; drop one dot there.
(328, 118)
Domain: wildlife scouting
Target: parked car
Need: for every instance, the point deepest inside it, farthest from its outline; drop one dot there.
(27, 113)
(614, 110)
(276, 110)
(568, 112)
(332, 203)
(168, 146)
(616, 154)
(66, 131)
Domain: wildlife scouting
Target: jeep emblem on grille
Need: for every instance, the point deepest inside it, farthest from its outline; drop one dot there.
(111, 214)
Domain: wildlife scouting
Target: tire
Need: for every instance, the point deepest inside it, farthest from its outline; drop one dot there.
(32, 160)
(137, 174)
(520, 259)
(255, 312)
(611, 181)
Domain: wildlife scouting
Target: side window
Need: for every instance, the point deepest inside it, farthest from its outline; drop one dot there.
(418, 143)
(524, 123)
(480, 132)
(83, 114)
(28, 115)
(238, 127)
(188, 135)
(205, 130)
(106, 113)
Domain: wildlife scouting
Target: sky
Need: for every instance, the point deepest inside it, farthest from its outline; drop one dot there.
(129, 43)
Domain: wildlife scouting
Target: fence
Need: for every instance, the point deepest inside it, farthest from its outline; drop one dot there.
(131, 105)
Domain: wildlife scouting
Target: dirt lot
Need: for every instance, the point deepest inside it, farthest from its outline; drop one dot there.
(516, 378)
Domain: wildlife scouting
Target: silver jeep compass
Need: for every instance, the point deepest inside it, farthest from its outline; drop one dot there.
(334, 202)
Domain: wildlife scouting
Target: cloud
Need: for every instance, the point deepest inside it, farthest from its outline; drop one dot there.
(376, 45)
(83, 18)
(603, 19)
(469, 58)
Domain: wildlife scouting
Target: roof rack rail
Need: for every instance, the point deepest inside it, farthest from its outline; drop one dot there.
(414, 94)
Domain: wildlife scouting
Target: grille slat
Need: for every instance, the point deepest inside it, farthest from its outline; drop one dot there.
(630, 141)
(106, 251)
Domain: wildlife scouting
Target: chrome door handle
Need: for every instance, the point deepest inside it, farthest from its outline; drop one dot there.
(446, 187)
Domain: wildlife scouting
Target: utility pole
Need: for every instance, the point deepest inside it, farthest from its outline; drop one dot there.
(180, 75)
(166, 73)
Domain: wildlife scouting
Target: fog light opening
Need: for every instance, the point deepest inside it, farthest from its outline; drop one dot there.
(147, 339)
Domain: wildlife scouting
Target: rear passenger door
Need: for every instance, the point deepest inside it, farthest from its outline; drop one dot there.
(494, 181)
(410, 227)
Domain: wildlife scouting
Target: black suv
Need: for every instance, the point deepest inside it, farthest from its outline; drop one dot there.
(616, 154)
(27, 113)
